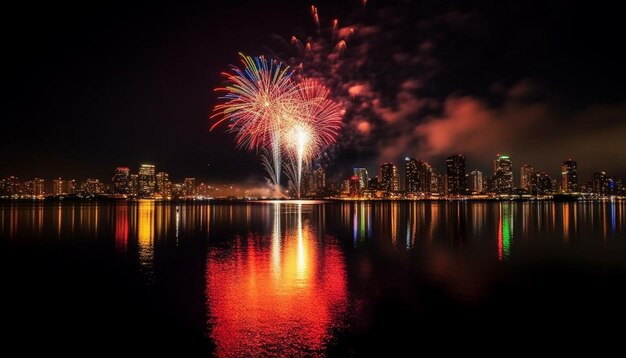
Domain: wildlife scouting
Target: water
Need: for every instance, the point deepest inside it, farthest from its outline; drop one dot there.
(287, 279)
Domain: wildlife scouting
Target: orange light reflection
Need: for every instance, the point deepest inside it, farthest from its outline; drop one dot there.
(268, 296)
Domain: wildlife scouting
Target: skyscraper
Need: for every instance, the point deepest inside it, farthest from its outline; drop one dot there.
(424, 177)
(389, 177)
(163, 184)
(146, 181)
(456, 179)
(503, 174)
(526, 176)
(541, 184)
(569, 176)
(120, 180)
(355, 186)
(363, 178)
(189, 187)
(600, 183)
(410, 174)
(476, 181)
(133, 185)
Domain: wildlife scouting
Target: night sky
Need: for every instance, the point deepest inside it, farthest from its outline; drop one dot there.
(91, 86)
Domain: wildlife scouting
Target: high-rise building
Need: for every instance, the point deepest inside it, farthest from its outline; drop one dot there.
(189, 187)
(133, 185)
(320, 178)
(146, 181)
(476, 181)
(437, 182)
(163, 184)
(363, 178)
(58, 186)
(424, 177)
(569, 176)
(600, 183)
(120, 180)
(91, 187)
(410, 174)
(355, 186)
(541, 184)
(456, 178)
(39, 187)
(526, 176)
(389, 177)
(503, 174)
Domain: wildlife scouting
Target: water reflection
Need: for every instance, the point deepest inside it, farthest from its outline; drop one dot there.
(276, 294)
(121, 227)
(505, 231)
(145, 237)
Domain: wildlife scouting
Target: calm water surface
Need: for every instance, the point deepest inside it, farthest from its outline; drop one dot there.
(287, 279)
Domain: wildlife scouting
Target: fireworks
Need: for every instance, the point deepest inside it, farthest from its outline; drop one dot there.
(269, 110)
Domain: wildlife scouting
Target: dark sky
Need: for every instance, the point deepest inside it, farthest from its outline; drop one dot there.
(95, 85)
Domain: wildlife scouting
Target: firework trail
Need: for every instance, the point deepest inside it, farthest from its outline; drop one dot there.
(314, 125)
(254, 104)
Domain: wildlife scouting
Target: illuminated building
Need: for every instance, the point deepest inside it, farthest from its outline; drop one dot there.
(120, 180)
(320, 178)
(163, 184)
(410, 174)
(569, 176)
(526, 175)
(363, 178)
(204, 190)
(58, 186)
(146, 181)
(542, 184)
(70, 186)
(424, 177)
(355, 186)
(13, 187)
(437, 182)
(476, 181)
(133, 185)
(600, 183)
(39, 187)
(91, 187)
(189, 187)
(308, 186)
(456, 179)
(503, 174)
(389, 178)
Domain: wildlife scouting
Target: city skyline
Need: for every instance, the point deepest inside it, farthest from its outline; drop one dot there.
(149, 102)
(415, 177)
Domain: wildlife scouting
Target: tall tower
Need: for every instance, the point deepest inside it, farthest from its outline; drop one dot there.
(120, 180)
(526, 177)
(389, 177)
(424, 177)
(456, 179)
(569, 174)
(503, 174)
(410, 174)
(163, 184)
(146, 181)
